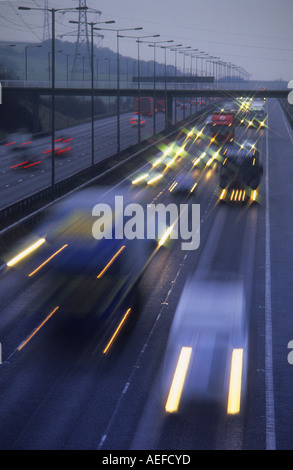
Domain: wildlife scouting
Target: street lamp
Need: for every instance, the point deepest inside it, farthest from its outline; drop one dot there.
(53, 12)
(180, 48)
(25, 58)
(154, 45)
(118, 31)
(92, 24)
(139, 41)
(184, 75)
(166, 104)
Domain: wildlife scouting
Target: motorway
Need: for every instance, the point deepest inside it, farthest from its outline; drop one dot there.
(58, 393)
(17, 181)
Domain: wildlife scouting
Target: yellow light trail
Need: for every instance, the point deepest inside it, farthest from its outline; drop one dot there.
(157, 162)
(175, 392)
(156, 178)
(165, 236)
(114, 336)
(234, 397)
(193, 187)
(223, 194)
(37, 329)
(47, 261)
(111, 262)
(26, 252)
(173, 186)
(140, 178)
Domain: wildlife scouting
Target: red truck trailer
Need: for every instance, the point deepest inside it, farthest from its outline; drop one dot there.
(223, 126)
(147, 107)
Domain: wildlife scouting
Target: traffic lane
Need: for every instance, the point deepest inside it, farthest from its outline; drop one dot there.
(45, 252)
(79, 139)
(40, 364)
(233, 251)
(65, 403)
(55, 318)
(202, 426)
(74, 159)
(280, 155)
(46, 348)
(19, 181)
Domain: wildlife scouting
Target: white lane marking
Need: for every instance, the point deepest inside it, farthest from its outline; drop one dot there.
(287, 126)
(136, 365)
(269, 378)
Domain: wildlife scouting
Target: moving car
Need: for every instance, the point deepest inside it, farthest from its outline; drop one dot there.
(206, 357)
(240, 173)
(134, 121)
(98, 279)
(22, 150)
(63, 146)
(184, 184)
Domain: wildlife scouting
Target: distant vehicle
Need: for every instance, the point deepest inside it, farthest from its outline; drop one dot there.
(230, 107)
(209, 120)
(147, 106)
(134, 121)
(184, 105)
(206, 358)
(151, 178)
(240, 174)
(223, 126)
(184, 184)
(160, 106)
(63, 146)
(257, 115)
(22, 151)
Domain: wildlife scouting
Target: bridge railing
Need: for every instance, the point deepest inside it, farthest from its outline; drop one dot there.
(112, 84)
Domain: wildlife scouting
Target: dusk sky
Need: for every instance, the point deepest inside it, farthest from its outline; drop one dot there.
(254, 34)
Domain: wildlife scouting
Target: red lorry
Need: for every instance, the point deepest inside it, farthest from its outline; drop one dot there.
(223, 126)
(147, 106)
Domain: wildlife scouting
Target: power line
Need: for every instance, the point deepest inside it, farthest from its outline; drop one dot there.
(46, 31)
(82, 48)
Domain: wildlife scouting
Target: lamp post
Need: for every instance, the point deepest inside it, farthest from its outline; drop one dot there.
(107, 59)
(166, 104)
(92, 25)
(178, 49)
(154, 45)
(139, 41)
(25, 59)
(212, 69)
(118, 31)
(184, 75)
(53, 12)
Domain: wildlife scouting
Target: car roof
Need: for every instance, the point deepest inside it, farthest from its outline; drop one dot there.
(216, 304)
